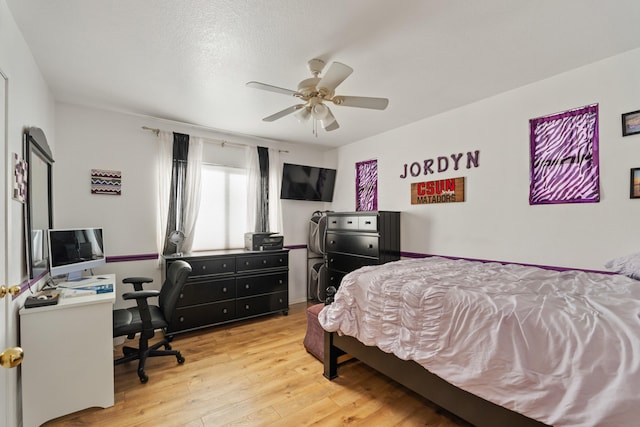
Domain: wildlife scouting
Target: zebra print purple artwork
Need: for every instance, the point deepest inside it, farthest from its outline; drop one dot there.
(367, 185)
(564, 157)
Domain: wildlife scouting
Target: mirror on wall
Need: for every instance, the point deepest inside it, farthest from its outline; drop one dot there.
(38, 210)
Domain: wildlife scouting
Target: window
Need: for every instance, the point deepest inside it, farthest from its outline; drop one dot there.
(221, 220)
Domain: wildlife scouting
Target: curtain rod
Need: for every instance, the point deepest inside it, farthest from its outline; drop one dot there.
(222, 142)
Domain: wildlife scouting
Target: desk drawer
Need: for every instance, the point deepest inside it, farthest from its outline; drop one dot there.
(203, 291)
(202, 315)
(262, 284)
(261, 304)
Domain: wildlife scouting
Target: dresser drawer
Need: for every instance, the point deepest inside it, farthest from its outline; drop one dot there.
(211, 266)
(353, 243)
(348, 263)
(342, 222)
(202, 291)
(252, 306)
(262, 284)
(202, 315)
(335, 278)
(262, 261)
(368, 223)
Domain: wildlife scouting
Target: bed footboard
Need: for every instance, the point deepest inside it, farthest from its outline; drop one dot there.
(410, 374)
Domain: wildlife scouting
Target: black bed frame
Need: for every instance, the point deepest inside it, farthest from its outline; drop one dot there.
(410, 374)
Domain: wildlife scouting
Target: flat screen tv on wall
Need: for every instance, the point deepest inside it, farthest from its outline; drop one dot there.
(307, 183)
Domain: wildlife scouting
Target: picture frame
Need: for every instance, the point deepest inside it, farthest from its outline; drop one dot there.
(631, 123)
(634, 184)
(565, 165)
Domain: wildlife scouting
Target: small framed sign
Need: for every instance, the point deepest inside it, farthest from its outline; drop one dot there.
(631, 123)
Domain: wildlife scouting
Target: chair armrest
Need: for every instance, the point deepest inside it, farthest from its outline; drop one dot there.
(137, 281)
(140, 294)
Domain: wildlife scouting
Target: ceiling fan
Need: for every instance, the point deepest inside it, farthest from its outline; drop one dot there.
(315, 91)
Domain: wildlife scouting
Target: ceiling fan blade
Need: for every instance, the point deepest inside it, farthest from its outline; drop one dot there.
(283, 113)
(361, 102)
(335, 75)
(270, 88)
(329, 123)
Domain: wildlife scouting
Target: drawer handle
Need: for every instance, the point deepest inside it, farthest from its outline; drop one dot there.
(224, 265)
(246, 307)
(280, 260)
(280, 281)
(370, 246)
(368, 222)
(204, 267)
(349, 222)
(181, 296)
(181, 319)
(264, 261)
(246, 263)
(224, 311)
(334, 222)
(247, 286)
(280, 300)
(333, 242)
(224, 290)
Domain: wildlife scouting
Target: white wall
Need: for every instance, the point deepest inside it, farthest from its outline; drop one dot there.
(496, 221)
(90, 138)
(29, 103)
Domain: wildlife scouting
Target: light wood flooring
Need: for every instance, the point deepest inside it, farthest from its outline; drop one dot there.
(255, 373)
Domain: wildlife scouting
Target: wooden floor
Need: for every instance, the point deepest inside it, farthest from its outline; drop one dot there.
(255, 373)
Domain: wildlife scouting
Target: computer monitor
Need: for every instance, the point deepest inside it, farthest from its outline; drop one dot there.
(73, 250)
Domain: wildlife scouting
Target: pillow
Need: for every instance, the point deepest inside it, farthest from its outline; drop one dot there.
(629, 265)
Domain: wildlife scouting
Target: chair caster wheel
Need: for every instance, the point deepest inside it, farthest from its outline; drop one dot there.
(143, 377)
(180, 360)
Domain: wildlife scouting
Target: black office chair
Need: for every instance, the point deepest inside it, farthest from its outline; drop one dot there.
(144, 319)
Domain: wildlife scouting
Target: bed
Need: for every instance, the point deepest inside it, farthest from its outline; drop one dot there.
(496, 344)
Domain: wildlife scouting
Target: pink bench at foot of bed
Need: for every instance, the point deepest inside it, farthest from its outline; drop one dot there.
(314, 338)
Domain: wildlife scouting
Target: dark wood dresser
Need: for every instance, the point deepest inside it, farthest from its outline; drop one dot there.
(226, 286)
(357, 239)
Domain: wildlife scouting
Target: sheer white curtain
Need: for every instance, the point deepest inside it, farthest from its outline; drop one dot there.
(253, 183)
(192, 191)
(165, 165)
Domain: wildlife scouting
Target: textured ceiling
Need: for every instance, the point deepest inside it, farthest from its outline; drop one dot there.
(189, 60)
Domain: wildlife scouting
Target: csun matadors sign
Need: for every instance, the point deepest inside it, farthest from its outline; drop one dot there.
(444, 190)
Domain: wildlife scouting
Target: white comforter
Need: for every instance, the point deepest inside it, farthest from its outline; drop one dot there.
(559, 347)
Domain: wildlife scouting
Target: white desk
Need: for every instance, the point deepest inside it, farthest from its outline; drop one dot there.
(68, 348)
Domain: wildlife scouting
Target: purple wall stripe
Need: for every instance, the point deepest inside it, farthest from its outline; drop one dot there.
(546, 267)
(141, 257)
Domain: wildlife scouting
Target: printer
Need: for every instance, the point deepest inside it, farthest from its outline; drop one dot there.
(262, 241)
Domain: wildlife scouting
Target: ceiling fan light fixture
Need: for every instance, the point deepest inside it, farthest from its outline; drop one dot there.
(319, 111)
(303, 115)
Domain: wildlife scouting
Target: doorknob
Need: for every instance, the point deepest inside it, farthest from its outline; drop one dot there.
(14, 290)
(11, 357)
